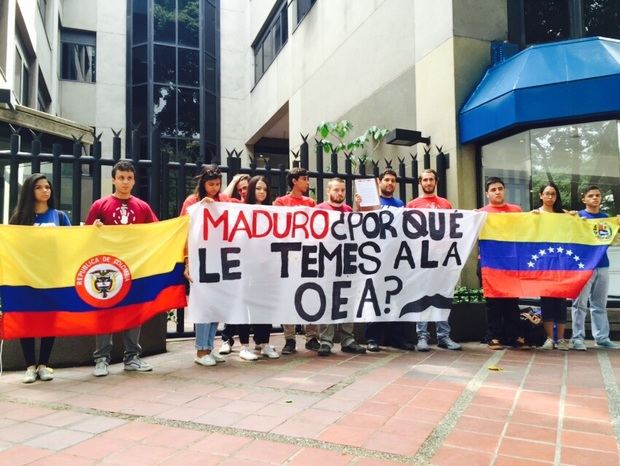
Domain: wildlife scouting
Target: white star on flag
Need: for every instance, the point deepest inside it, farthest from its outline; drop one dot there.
(542, 252)
(560, 249)
(550, 249)
(581, 266)
(530, 264)
(576, 258)
(569, 253)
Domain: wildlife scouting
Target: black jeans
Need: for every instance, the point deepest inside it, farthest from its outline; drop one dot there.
(45, 351)
(503, 319)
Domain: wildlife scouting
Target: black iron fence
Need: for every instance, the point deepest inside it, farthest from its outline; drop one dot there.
(165, 183)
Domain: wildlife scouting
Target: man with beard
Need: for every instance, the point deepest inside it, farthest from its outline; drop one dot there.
(429, 200)
(392, 333)
(298, 183)
(335, 201)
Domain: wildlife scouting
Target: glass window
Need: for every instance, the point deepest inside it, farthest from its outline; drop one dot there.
(546, 20)
(210, 74)
(139, 21)
(164, 20)
(17, 76)
(139, 106)
(210, 133)
(509, 159)
(78, 55)
(189, 67)
(189, 22)
(210, 28)
(601, 18)
(189, 112)
(164, 109)
(139, 65)
(572, 156)
(270, 41)
(164, 64)
(303, 7)
(189, 150)
(43, 96)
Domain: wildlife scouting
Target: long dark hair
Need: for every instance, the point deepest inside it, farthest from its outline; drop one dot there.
(208, 172)
(250, 198)
(557, 205)
(24, 210)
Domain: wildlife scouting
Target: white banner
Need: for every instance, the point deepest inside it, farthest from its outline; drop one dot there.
(275, 265)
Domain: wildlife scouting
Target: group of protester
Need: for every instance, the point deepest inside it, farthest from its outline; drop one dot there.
(36, 207)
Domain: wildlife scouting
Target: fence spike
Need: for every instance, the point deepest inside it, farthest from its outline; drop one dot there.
(375, 163)
(401, 160)
(239, 153)
(388, 163)
(439, 148)
(295, 154)
(414, 158)
(117, 134)
(305, 138)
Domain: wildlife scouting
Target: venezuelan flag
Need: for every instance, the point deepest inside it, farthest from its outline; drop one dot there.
(66, 281)
(532, 255)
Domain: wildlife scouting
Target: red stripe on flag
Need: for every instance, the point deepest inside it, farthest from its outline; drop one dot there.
(67, 324)
(532, 284)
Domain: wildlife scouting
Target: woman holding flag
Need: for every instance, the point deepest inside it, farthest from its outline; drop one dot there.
(554, 310)
(35, 206)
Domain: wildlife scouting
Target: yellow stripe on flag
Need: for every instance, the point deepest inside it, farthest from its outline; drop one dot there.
(49, 257)
(549, 228)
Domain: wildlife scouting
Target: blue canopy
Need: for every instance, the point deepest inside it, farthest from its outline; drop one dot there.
(545, 83)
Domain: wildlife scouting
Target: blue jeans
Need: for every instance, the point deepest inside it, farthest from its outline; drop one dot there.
(596, 290)
(205, 335)
(443, 330)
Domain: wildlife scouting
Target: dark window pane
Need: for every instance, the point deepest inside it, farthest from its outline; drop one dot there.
(168, 147)
(164, 19)
(189, 113)
(546, 20)
(189, 67)
(189, 150)
(210, 74)
(78, 62)
(268, 50)
(138, 21)
(164, 64)
(139, 107)
(210, 28)
(139, 65)
(258, 63)
(303, 6)
(602, 18)
(210, 155)
(164, 109)
(210, 133)
(189, 24)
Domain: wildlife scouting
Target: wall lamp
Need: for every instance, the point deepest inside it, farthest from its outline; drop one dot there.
(405, 137)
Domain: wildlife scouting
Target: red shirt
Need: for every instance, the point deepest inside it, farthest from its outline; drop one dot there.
(114, 211)
(429, 202)
(340, 208)
(506, 208)
(193, 199)
(294, 201)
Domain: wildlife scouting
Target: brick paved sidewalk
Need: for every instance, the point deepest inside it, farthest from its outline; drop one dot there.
(391, 407)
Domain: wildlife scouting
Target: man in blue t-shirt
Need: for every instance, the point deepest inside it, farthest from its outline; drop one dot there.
(392, 333)
(596, 289)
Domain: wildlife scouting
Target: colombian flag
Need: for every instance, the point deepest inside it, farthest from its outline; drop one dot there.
(532, 255)
(66, 281)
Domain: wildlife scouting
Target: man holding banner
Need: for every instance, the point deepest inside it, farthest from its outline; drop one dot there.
(336, 190)
(429, 200)
(297, 179)
(120, 208)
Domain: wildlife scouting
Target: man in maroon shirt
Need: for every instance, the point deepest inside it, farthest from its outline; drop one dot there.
(120, 208)
(335, 201)
(298, 183)
(430, 200)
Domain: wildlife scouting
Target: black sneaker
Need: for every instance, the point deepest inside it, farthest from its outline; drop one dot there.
(324, 350)
(289, 347)
(313, 344)
(354, 348)
(373, 346)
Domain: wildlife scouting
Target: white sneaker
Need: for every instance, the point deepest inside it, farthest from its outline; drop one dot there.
(31, 375)
(269, 351)
(579, 345)
(548, 344)
(563, 345)
(217, 357)
(225, 348)
(247, 355)
(45, 373)
(101, 367)
(206, 360)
